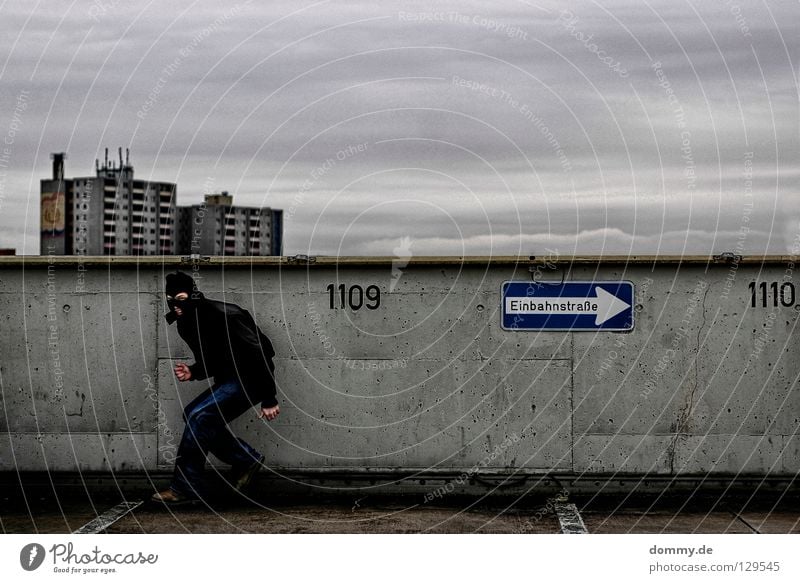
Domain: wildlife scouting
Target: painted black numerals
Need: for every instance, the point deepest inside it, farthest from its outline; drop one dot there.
(772, 294)
(354, 297)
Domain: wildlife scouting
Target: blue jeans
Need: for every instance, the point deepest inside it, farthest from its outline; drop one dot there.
(207, 418)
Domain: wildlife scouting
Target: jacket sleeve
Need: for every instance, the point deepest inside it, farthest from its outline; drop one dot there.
(253, 357)
(198, 369)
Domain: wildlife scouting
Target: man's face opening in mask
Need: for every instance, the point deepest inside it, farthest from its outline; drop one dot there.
(178, 303)
(182, 295)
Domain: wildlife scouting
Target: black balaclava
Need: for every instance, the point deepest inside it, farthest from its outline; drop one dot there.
(181, 282)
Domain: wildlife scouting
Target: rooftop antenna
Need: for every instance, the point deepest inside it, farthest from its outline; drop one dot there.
(106, 164)
(120, 157)
(127, 156)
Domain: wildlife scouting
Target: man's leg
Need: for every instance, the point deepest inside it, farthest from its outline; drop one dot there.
(221, 446)
(232, 402)
(190, 460)
(206, 431)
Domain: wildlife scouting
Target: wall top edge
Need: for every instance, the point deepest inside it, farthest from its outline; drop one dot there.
(175, 261)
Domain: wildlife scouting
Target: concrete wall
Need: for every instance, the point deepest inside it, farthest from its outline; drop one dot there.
(429, 380)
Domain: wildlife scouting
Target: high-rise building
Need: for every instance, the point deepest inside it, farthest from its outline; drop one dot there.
(218, 227)
(112, 213)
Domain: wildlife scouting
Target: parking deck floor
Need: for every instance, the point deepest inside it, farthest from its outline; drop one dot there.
(531, 515)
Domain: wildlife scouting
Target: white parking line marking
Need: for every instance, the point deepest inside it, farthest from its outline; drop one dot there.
(746, 523)
(570, 519)
(108, 518)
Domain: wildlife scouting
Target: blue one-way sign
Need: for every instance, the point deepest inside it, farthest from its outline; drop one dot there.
(568, 306)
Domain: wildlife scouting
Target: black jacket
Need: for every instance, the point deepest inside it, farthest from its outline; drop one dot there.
(228, 345)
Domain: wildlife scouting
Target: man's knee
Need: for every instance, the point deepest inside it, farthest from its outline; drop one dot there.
(197, 418)
(194, 409)
(196, 430)
(190, 413)
(204, 421)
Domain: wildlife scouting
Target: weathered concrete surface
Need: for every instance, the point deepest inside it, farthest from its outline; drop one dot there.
(429, 380)
(337, 518)
(667, 523)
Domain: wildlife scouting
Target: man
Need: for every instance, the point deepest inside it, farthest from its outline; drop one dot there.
(227, 345)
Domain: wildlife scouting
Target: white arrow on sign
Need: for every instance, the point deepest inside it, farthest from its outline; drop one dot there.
(604, 305)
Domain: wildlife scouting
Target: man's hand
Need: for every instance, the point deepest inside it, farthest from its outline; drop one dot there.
(269, 413)
(182, 372)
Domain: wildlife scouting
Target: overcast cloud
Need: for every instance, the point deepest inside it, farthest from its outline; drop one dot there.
(481, 128)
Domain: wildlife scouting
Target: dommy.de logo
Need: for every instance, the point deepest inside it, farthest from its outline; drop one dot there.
(32, 556)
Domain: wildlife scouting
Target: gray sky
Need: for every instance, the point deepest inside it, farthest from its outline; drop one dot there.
(481, 128)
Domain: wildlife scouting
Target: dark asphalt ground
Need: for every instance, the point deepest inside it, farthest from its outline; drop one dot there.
(42, 513)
